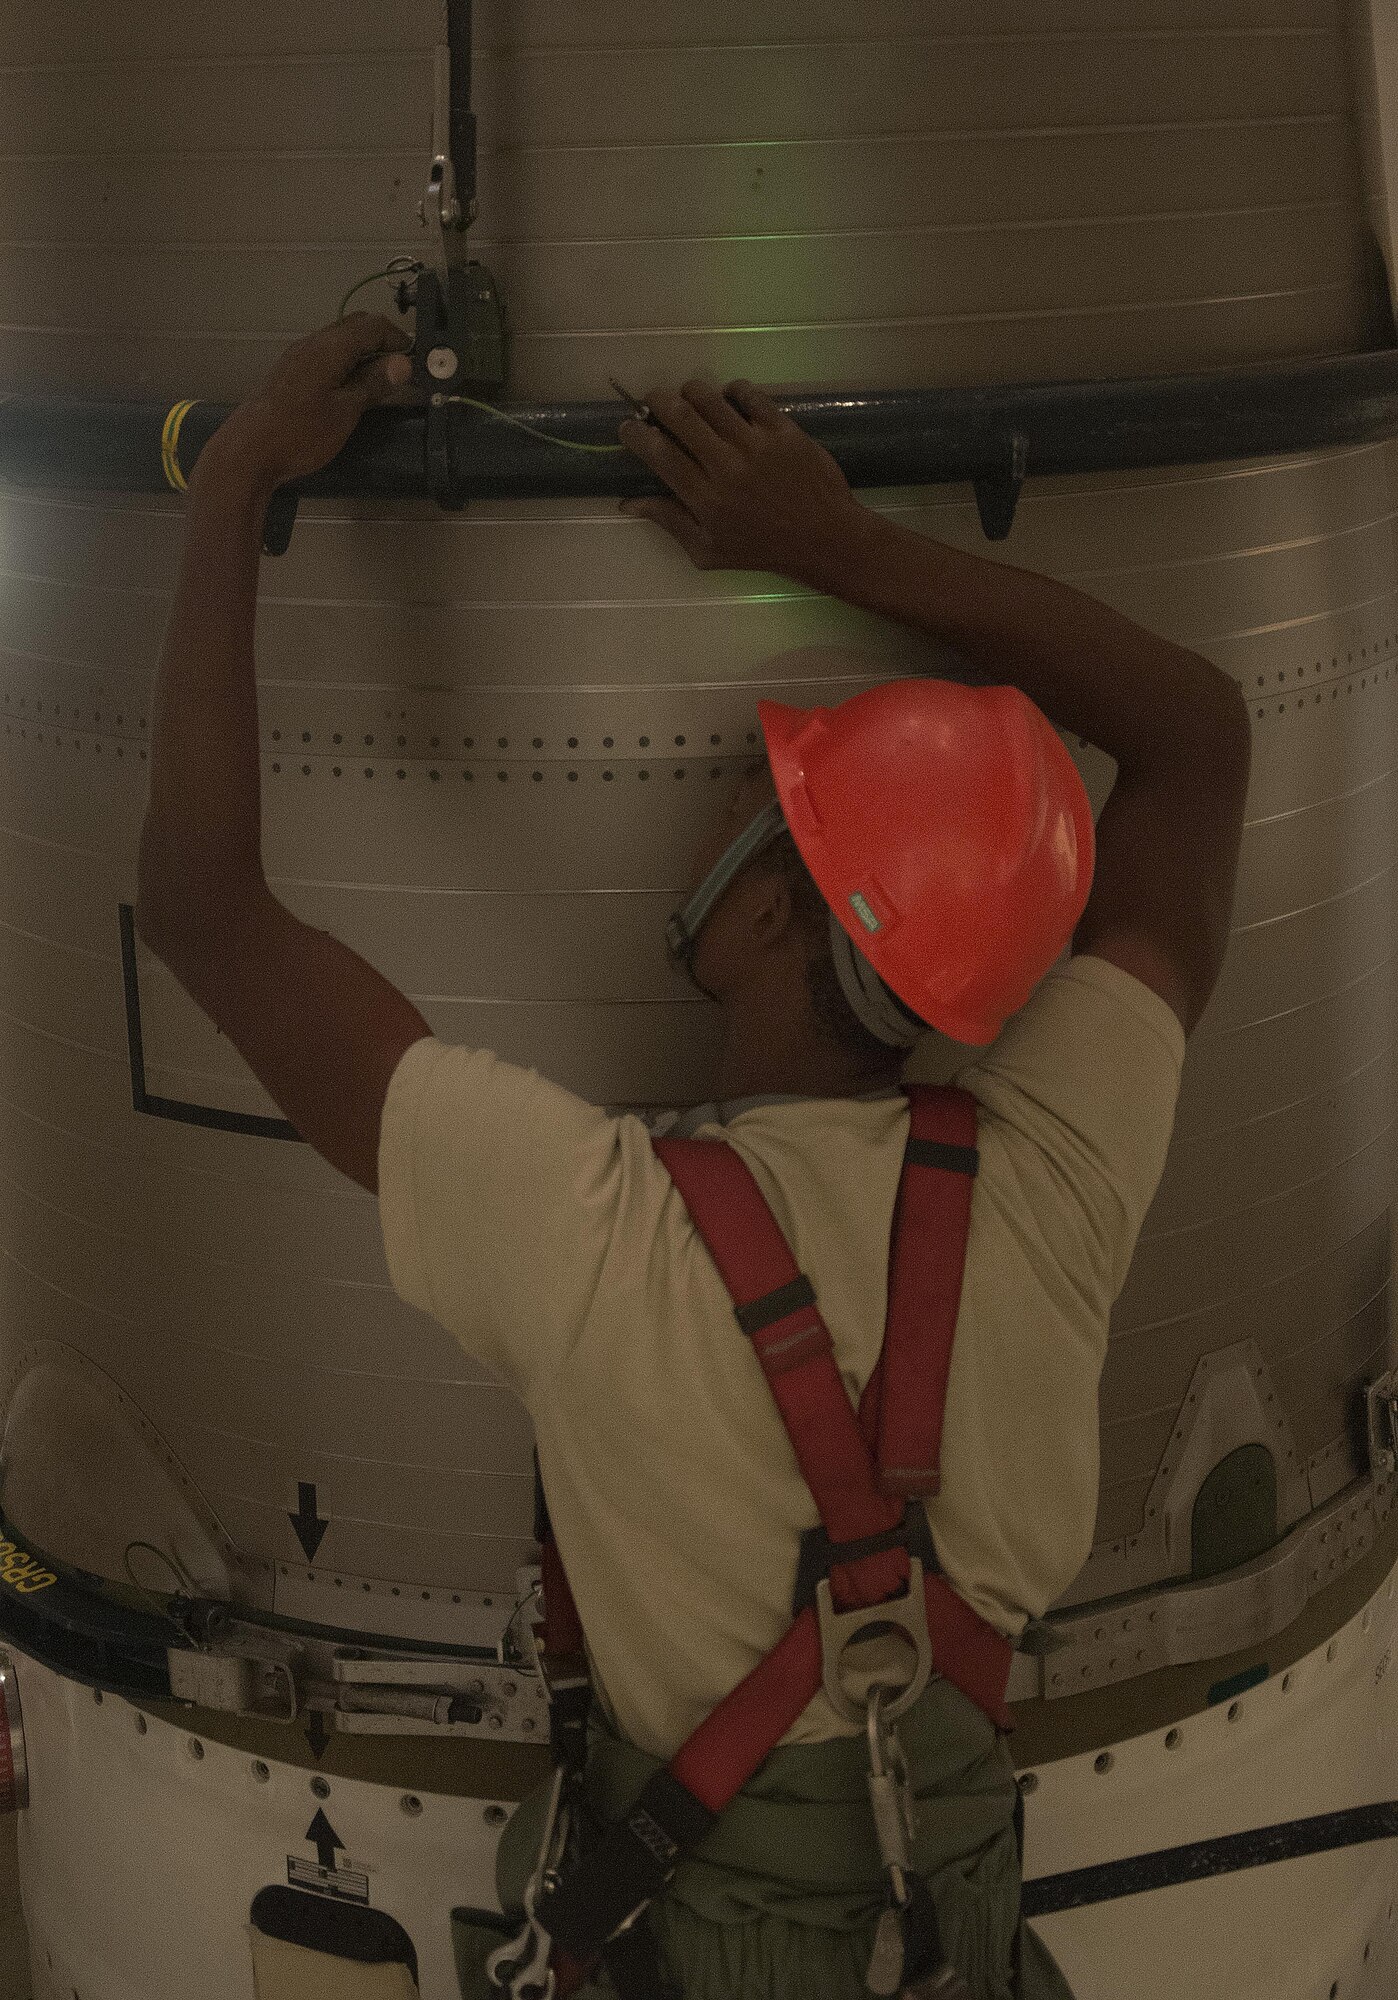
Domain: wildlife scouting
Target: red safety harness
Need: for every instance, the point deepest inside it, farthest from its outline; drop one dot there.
(868, 1475)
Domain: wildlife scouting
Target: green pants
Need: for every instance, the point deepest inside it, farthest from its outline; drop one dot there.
(780, 1899)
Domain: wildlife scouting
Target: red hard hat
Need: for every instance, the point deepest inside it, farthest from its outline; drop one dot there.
(948, 829)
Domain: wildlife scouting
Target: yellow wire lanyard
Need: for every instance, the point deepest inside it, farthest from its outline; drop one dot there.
(170, 436)
(170, 445)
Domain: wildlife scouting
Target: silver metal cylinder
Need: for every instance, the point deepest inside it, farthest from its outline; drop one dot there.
(490, 740)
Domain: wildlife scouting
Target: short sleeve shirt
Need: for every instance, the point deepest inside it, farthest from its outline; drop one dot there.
(546, 1236)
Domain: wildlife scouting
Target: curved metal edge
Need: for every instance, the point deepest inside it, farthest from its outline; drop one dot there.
(1181, 1624)
(14, 1795)
(994, 436)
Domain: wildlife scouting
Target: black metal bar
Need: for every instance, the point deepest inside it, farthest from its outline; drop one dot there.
(251, 1124)
(71, 1621)
(905, 437)
(463, 118)
(1198, 1860)
(69, 1627)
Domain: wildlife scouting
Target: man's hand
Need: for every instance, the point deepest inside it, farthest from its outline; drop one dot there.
(320, 1028)
(752, 490)
(305, 411)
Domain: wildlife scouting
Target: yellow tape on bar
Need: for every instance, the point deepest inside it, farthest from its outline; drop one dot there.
(170, 444)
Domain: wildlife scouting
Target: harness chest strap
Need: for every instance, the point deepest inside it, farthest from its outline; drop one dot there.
(775, 1305)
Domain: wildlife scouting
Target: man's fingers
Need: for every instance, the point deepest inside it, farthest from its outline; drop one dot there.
(376, 380)
(758, 406)
(718, 412)
(354, 339)
(664, 458)
(676, 520)
(373, 331)
(679, 416)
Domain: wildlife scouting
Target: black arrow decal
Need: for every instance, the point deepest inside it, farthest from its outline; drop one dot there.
(324, 1840)
(317, 1734)
(310, 1529)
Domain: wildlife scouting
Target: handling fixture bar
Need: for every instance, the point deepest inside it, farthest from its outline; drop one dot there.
(994, 436)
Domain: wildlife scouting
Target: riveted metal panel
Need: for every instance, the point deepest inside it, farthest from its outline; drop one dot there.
(490, 740)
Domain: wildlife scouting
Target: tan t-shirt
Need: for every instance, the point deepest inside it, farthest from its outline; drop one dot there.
(547, 1237)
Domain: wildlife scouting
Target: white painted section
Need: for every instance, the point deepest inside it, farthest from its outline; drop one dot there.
(1319, 1738)
(141, 1859)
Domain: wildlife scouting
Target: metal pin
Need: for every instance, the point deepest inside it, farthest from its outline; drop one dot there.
(638, 409)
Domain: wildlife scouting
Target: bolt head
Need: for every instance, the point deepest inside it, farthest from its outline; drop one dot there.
(442, 363)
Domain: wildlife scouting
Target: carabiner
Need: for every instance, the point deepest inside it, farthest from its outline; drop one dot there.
(522, 1966)
(890, 1796)
(524, 1961)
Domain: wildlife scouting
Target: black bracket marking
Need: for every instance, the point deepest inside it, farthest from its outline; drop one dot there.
(177, 1108)
(307, 1521)
(1199, 1859)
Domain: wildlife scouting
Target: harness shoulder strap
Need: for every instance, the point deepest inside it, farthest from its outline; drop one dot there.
(904, 1402)
(775, 1305)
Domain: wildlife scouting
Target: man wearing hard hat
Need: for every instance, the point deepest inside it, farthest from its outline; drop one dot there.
(813, 1371)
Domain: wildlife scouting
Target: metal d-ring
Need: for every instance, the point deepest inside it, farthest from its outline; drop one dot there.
(839, 1630)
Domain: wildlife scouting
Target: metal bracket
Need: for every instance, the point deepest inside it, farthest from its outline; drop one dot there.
(438, 1697)
(441, 207)
(245, 1670)
(997, 493)
(1381, 1398)
(234, 1683)
(1181, 1623)
(459, 350)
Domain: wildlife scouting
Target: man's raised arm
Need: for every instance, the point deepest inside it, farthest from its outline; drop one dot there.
(753, 491)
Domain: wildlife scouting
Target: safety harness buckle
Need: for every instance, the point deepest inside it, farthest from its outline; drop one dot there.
(907, 1614)
(819, 1555)
(603, 1897)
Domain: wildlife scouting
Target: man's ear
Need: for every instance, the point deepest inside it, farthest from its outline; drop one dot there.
(774, 913)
